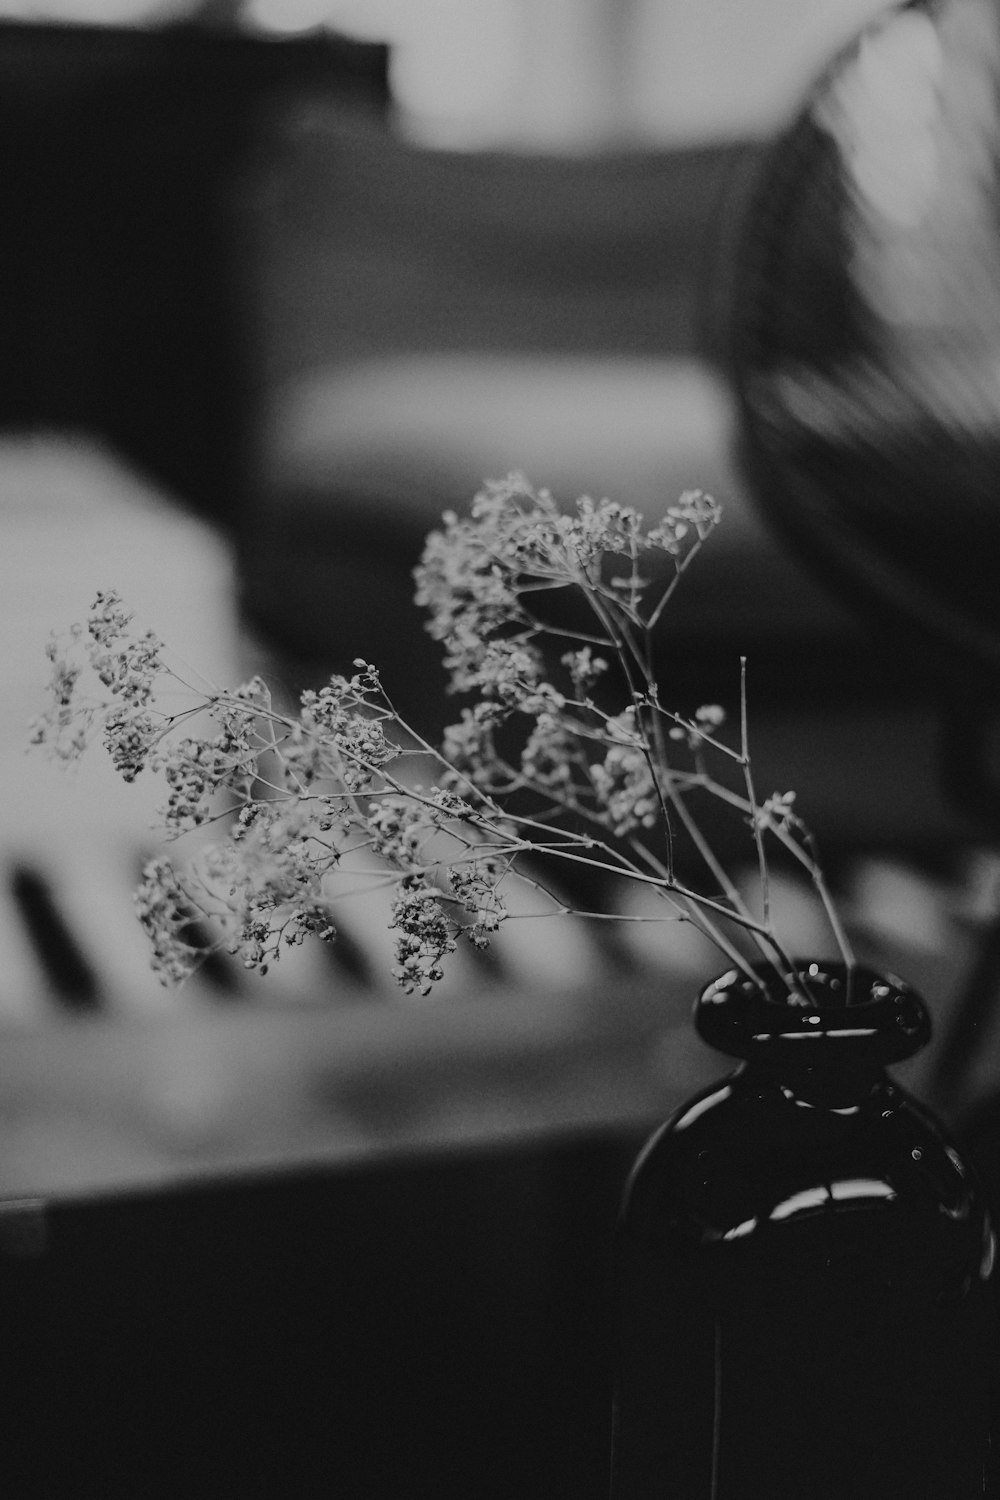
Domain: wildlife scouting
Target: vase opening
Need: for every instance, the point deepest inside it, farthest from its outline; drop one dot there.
(823, 1009)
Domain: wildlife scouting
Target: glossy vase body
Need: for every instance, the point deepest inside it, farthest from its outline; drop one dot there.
(804, 1270)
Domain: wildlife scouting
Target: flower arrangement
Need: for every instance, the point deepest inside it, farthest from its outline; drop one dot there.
(560, 758)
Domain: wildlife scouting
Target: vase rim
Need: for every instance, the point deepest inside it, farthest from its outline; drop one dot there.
(833, 983)
(760, 1012)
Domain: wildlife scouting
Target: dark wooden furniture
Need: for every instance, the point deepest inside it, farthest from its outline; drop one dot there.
(121, 264)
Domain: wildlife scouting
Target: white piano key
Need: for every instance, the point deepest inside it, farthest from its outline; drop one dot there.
(797, 912)
(659, 941)
(891, 900)
(539, 949)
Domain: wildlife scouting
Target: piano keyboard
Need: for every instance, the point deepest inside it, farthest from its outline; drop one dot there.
(108, 1081)
(70, 943)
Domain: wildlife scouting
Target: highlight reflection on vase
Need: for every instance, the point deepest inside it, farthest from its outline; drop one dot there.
(805, 1270)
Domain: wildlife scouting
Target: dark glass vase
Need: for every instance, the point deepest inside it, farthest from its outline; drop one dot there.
(805, 1267)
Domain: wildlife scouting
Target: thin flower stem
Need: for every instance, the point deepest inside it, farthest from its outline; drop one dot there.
(627, 655)
(705, 740)
(667, 790)
(681, 565)
(811, 865)
(758, 832)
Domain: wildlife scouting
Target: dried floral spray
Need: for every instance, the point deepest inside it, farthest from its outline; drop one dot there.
(564, 757)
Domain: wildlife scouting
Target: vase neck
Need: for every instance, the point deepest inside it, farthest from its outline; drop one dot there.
(828, 1080)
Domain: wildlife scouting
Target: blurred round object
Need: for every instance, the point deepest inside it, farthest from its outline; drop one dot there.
(864, 325)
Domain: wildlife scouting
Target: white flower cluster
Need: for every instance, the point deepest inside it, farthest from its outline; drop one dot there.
(104, 653)
(623, 781)
(424, 936)
(564, 754)
(168, 918)
(695, 511)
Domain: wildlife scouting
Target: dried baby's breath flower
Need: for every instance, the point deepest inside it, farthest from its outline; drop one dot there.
(776, 811)
(167, 914)
(533, 771)
(424, 936)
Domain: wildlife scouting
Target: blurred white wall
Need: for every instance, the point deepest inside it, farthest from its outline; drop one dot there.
(576, 74)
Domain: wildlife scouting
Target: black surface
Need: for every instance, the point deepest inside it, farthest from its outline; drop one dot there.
(437, 1330)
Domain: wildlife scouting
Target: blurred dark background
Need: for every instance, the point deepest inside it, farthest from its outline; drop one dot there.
(279, 282)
